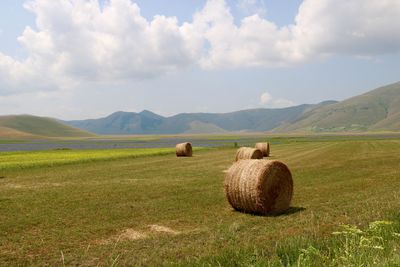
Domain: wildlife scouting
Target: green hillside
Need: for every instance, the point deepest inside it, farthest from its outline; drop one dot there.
(376, 110)
(32, 126)
(203, 127)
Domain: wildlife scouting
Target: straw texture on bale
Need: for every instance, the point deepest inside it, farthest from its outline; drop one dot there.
(264, 147)
(248, 153)
(184, 150)
(259, 186)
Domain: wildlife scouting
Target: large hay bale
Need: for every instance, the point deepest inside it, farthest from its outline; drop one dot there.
(248, 153)
(264, 147)
(259, 186)
(184, 150)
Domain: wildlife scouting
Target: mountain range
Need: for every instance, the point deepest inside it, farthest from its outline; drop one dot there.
(373, 111)
(376, 110)
(146, 122)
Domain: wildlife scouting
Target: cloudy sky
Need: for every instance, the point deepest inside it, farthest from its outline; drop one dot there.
(74, 59)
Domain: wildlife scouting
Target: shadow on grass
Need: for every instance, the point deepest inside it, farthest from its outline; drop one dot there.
(290, 211)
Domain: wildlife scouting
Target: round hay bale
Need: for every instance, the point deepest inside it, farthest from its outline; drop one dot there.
(259, 186)
(248, 153)
(264, 147)
(184, 150)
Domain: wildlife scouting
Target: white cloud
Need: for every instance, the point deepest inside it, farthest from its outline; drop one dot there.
(79, 41)
(253, 43)
(347, 27)
(252, 7)
(322, 28)
(266, 100)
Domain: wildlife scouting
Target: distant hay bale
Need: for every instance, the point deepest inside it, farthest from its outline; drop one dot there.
(248, 153)
(264, 147)
(259, 186)
(184, 150)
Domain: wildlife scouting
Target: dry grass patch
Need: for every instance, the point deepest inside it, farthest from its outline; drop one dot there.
(163, 229)
(131, 234)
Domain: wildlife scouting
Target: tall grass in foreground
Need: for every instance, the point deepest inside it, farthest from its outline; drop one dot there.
(376, 245)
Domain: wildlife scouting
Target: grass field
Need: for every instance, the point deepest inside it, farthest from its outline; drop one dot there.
(162, 210)
(32, 159)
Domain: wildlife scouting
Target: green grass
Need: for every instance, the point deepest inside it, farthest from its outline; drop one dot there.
(20, 160)
(376, 245)
(78, 214)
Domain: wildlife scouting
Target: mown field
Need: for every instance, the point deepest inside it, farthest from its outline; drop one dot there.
(155, 209)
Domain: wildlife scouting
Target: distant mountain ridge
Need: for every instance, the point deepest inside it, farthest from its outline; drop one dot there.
(376, 110)
(147, 122)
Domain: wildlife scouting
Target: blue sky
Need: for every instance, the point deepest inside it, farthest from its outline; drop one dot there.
(75, 59)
